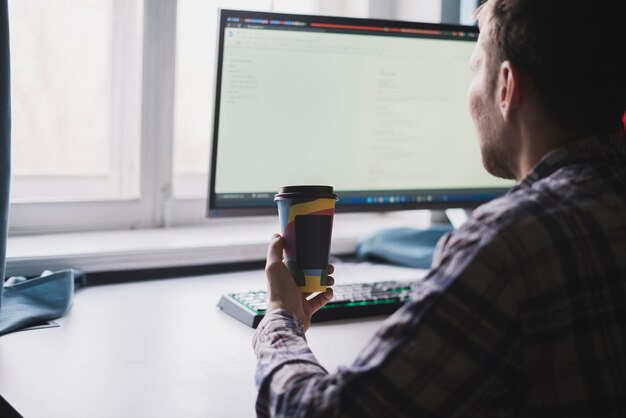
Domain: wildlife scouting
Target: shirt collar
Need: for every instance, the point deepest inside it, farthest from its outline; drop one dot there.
(602, 147)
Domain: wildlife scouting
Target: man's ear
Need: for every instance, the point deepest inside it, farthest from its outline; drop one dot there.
(509, 89)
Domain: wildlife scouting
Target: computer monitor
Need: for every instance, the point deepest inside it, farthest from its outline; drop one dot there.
(375, 108)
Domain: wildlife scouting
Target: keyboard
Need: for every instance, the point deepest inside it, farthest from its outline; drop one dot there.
(349, 301)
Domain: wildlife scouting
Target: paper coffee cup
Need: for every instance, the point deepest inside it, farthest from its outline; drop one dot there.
(306, 219)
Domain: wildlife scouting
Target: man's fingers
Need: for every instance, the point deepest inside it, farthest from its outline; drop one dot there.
(331, 280)
(275, 250)
(331, 269)
(320, 300)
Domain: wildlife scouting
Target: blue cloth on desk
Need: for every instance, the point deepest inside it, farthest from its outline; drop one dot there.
(409, 247)
(32, 301)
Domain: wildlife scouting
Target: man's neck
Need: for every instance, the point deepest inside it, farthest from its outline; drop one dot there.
(536, 141)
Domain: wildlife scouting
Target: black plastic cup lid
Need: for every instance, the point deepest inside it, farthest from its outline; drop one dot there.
(319, 192)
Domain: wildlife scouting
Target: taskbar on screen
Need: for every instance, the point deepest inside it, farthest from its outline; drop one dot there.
(378, 198)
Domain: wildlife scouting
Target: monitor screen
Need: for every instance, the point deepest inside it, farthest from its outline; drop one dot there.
(377, 109)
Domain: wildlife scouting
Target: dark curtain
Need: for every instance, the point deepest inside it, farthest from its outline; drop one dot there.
(5, 135)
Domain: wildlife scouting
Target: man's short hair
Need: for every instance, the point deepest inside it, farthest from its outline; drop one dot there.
(574, 53)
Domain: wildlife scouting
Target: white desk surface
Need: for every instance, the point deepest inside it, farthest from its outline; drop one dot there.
(160, 349)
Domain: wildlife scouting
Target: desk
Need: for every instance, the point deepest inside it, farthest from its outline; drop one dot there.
(160, 349)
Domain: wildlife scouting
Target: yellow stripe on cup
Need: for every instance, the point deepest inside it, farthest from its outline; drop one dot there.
(312, 285)
(310, 207)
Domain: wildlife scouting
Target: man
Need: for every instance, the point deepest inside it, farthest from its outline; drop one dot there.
(524, 310)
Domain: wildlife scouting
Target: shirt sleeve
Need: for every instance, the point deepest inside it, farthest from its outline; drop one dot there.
(452, 350)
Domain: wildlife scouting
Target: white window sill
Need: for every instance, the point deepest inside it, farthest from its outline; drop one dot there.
(216, 242)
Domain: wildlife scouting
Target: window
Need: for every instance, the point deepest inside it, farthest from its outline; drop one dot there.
(112, 104)
(76, 107)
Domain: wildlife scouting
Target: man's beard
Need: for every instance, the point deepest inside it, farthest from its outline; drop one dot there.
(497, 159)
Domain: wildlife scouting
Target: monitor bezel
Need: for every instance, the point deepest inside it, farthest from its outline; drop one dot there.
(217, 212)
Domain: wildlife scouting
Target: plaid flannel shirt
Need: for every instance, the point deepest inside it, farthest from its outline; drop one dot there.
(522, 314)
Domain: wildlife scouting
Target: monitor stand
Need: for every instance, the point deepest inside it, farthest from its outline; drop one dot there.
(454, 216)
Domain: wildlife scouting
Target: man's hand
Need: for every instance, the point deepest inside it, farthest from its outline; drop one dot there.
(283, 291)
